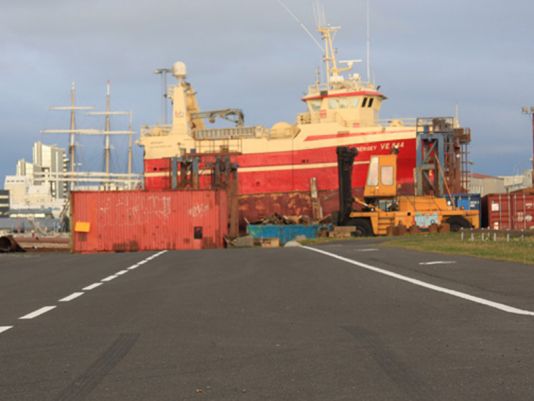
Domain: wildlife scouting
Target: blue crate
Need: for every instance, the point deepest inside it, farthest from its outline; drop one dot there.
(467, 201)
(284, 233)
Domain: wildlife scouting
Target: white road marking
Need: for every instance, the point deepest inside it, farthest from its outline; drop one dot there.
(75, 295)
(92, 286)
(72, 296)
(38, 312)
(458, 294)
(367, 250)
(438, 262)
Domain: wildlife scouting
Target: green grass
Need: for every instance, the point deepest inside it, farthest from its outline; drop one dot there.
(517, 250)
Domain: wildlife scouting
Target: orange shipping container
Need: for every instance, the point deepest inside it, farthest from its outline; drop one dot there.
(121, 221)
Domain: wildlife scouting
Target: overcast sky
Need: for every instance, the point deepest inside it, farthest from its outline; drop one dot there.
(428, 55)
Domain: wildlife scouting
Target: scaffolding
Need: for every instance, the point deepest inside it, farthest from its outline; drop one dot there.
(442, 165)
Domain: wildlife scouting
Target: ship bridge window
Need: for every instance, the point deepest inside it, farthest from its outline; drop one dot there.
(343, 103)
(315, 105)
(371, 101)
(364, 103)
(333, 104)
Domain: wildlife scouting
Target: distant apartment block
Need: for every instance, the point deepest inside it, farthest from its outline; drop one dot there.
(4, 203)
(39, 184)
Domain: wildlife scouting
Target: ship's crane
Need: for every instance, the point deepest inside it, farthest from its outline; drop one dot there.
(235, 116)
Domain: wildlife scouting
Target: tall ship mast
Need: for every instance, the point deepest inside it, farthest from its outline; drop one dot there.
(282, 166)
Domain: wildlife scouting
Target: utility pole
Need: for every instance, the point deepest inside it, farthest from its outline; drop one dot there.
(163, 73)
(530, 112)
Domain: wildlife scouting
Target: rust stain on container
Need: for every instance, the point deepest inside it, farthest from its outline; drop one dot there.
(129, 221)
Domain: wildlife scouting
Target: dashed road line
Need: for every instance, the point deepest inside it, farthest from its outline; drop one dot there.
(78, 294)
(72, 296)
(5, 328)
(37, 312)
(438, 262)
(458, 294)
(92, 286)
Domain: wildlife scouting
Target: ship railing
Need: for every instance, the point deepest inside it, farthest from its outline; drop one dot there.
(316, 89)
(89, 178)
(156, 130)
(215, 134)
(407, 122)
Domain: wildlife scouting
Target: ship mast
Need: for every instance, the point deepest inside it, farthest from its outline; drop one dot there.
(330, 60)
(108, 132)
(130, 143)
(333, 71)
(107, 127)
(72, 131)
(74, 177)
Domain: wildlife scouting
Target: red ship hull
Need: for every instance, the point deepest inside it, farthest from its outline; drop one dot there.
(279, 182)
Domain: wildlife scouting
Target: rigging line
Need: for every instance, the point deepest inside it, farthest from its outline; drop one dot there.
(301, 24)
(368, 18)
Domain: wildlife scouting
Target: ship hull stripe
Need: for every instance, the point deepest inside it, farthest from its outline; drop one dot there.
(353, 134)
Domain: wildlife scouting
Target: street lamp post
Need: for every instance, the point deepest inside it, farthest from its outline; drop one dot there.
(530, 112)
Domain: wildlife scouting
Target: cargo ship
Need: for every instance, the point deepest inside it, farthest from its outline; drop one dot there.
(289, 168)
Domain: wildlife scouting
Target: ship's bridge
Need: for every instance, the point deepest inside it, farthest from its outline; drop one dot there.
(351, 103)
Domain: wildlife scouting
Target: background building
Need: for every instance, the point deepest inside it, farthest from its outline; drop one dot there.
(4, 203)
(486, 184)
(517, 182)
(39, 185)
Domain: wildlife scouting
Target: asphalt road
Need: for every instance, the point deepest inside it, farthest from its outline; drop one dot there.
(355, 322)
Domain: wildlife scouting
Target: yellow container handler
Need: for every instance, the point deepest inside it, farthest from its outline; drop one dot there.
(383, 212)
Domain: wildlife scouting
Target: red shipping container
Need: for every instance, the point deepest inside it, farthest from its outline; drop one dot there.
(523, 211)
(121, 221)
(509, 211)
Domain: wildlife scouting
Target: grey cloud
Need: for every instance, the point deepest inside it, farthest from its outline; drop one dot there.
(428, 56)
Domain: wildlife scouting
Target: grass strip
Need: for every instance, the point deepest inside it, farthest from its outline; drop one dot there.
(519, 250)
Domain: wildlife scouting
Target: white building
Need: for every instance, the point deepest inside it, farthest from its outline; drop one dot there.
(36, 185)
(486, 184)
(517, 182)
